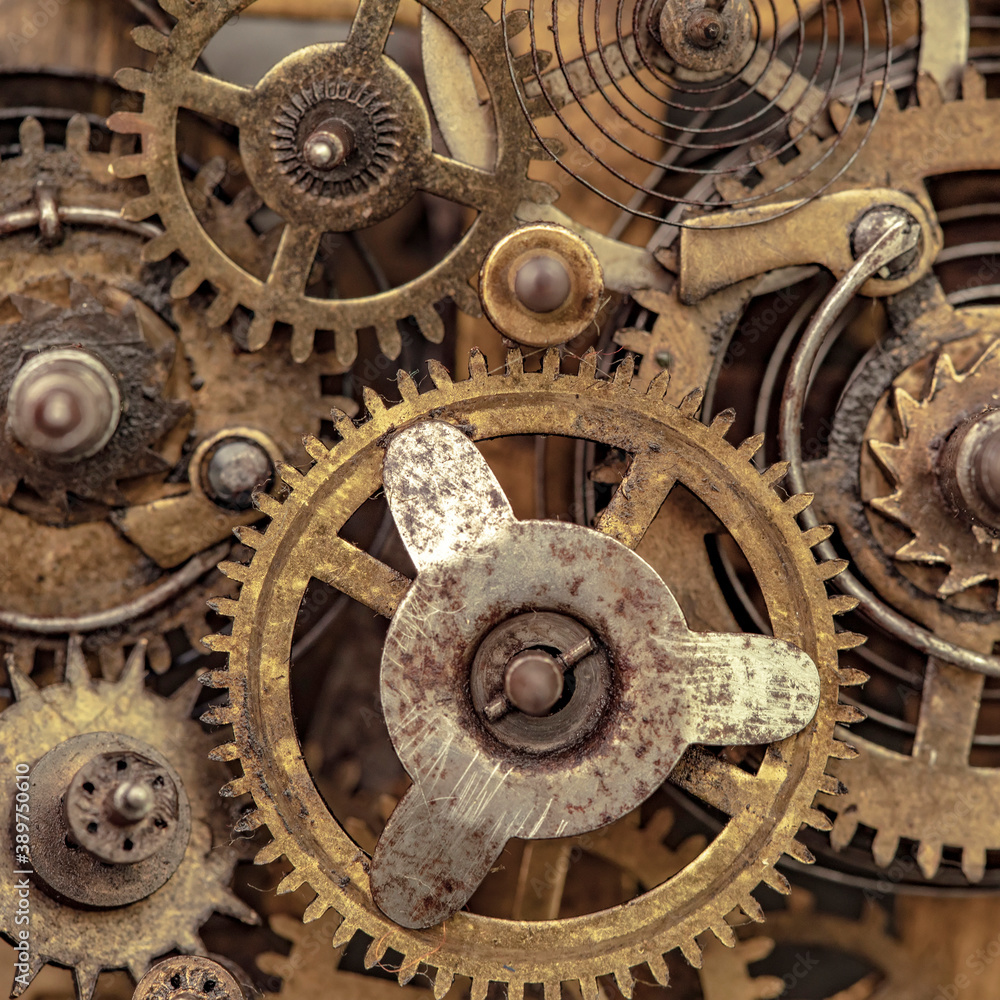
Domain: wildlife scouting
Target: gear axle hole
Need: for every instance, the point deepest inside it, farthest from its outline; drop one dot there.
(88, 787)
(127, 845)
(91, 827)
(122, 765)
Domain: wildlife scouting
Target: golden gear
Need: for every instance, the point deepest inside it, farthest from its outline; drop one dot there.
(302, 542)
(67, 571)
(916, 464)
(91, 940)
(346, 121)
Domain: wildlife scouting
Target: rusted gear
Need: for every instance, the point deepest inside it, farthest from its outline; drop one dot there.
(302, 542)
(91, 565)
(322, 138)
(89, 940)
(942, 477)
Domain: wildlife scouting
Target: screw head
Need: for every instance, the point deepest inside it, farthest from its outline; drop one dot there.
(328, 146)
(706, 29)
(542, 283)
(64, 404)
(533, 682)
(235, 470)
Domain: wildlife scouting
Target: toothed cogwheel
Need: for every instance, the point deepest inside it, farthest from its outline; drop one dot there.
(83, 325)
(45, 723)
(302, 542)
(334, 138)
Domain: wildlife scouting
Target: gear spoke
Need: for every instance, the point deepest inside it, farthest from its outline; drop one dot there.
(637, 500)
(458, 182)
(949, 711)
(370, 30)
(358, 575)
(294, 258)
(209, 95)
(715, 781)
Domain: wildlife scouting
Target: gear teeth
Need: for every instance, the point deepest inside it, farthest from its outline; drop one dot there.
(431, 325)
(31, 137)
(303, 341)
(259, 332)
(342, 424)
(817, 535)
(315, 448)
(928, 92)
(659, 386)
(217, 715)
(443, 979)
(551, 364)
(974, 863)
(514, 22)
(131, 78)
(235, 788)
(134, 672)
(552, 990)
(237, 571)
(929, 858)
(658, 969)
(78, 135)
(148, 38)
(842, 604)
(844, 828)
(625, 981)
(222, 307)
(250, 821)
(841, 115)
(210, 176)
(467, 300)
(478, 368)
(142, 208)
(776, 881)
(268, 854)
(292, 881)
(850, 640)
(186, 283)
(588, 366)
(802, 854)
(832, 568)
(750, 447)
(849, 715)
(159, 248)
(289, 475)
(844, 751)
(724, 933)
(691, 403)
(514, 363)
(885, 99)
(730, 189)
(86, 980)
(225, 752)
(76, 673)
(723, 421)
(21, 686)
(315, 910)
(691, 951)
(343, 935)
(831, 786)
(621, 381)
(345, 346)
(850, 677)
(440, 375)
(390, 341)
(224, 606)
(374, 953)
(775, 474)
(973, 85)
(753, 909)
(159, 655)
(797, 504)
(248, 536)
(884, 847)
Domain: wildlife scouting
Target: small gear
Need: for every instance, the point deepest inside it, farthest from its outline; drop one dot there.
(945, 483)
(86, 542)
(321, 139)
(43, 723)
(302, 542)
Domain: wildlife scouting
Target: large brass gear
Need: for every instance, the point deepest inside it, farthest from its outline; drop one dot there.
(381, 154)
(67, 568)
(91, 940)
(302, 542)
